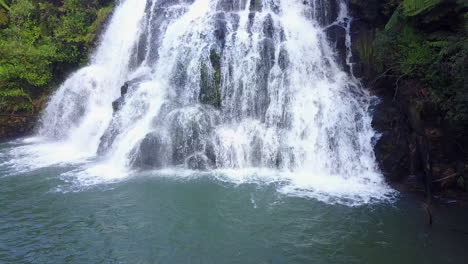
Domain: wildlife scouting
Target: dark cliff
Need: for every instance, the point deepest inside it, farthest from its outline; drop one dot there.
(412, 55)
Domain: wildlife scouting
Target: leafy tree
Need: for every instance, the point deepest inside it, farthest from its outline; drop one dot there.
(41, 41)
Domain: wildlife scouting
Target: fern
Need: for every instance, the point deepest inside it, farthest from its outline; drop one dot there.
(394, 21)
(4, 5)
(417, 7)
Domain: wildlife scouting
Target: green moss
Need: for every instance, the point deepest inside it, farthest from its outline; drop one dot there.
(210, 81)
(4, 5)
(3, 18)
(395, 21)
(216, 64)
(430, 49)
(96, 26)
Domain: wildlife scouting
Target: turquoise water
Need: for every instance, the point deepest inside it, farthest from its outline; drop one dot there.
(46, 217)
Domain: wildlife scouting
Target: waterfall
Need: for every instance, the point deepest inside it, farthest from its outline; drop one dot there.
(234, 85)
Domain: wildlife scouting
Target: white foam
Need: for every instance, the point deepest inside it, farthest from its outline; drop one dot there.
(317, 126)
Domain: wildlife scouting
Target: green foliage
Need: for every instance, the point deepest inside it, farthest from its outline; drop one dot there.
(4, 5)
(15, 100)
(44, 39)
(417, 7)
(3, 18)
(446, 76)
(415, 53)
(433, 54)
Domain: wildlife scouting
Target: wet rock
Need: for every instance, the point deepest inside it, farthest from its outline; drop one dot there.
(262, 97)
(210, 81)
(283, 59)
(182, 139)
(117, 104)
(256, 5)
(14, 126)
(210, 153)
(220, 29)
(268, 27)
(393, 149)
(231, 5)
(337, 37)
(326, 10)
(189, 130)
(257, 150)
(153, 152)
(167, 107)
(179, 77)
(198, 162)
(251, 21)
(362, 59)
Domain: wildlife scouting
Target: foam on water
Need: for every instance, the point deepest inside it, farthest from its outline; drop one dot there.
(281, 109)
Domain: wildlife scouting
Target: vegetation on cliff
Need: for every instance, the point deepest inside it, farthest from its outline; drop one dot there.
(414, 57)
(423, 40)
(40, 42)
(426, 40)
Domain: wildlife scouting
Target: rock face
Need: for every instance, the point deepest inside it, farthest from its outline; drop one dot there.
(117, 104)
(337, 36)
(12, 126)
(416, 147)
(186, 141)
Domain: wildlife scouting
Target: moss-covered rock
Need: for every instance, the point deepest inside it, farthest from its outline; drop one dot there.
(210, 80)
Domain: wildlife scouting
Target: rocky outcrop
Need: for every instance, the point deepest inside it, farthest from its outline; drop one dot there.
(117, 104)
(182, 138)
(16, 125)
(418, 147)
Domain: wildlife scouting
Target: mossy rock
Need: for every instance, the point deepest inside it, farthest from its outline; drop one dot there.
(210, 81)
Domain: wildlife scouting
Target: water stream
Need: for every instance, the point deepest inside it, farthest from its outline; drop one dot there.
(245, 88)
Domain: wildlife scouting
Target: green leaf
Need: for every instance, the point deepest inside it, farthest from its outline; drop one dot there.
(417, 7)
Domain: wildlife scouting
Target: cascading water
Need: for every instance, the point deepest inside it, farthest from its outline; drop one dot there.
(223, 85)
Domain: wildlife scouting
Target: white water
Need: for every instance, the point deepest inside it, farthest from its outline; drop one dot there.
(288, 111)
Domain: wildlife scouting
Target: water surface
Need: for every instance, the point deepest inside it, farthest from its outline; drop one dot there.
(48, 216)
